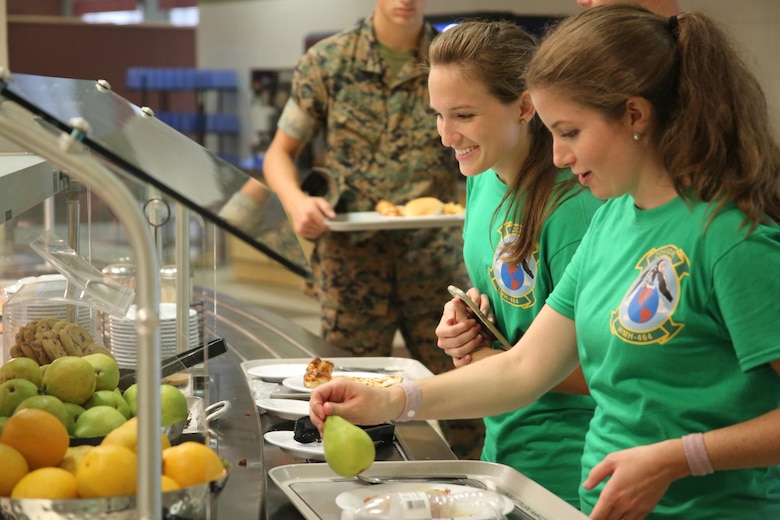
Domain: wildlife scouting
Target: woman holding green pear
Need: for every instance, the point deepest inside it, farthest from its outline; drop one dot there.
(668, 303)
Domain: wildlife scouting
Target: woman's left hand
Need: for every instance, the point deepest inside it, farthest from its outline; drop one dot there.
(638, 478)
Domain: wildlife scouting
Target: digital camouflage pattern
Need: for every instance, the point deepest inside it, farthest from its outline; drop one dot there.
(381, 142)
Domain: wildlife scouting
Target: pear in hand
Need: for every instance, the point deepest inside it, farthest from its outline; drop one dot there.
(348, 449)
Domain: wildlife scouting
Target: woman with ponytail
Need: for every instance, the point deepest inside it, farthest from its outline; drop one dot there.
(669, 304)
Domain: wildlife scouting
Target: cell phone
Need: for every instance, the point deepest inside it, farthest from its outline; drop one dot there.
(473, 310)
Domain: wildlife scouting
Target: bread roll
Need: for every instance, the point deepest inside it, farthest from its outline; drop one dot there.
(423, 206)
(387, 209)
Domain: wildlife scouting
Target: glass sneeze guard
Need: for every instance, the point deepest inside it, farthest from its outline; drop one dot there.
(130, 139)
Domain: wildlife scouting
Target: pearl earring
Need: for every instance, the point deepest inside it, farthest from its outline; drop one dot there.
(522, 121)
(637, 136)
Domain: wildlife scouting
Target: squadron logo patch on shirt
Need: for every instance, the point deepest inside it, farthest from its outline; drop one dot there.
(645, 314)
(515, 283)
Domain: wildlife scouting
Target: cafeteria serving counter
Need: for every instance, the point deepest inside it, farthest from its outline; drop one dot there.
(252, 332)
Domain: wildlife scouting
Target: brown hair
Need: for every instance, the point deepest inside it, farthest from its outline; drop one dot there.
(711, 124)
(496, 54)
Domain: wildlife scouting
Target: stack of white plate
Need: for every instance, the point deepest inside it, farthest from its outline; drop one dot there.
(123, 340)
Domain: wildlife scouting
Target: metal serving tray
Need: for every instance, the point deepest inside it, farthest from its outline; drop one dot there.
(408, 368)
(312, 488)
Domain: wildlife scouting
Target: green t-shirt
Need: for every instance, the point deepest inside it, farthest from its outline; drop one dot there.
(543, 441)
(675, 329)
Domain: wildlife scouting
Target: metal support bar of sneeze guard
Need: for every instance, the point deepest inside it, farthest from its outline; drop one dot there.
(17, 125)
(183, 279)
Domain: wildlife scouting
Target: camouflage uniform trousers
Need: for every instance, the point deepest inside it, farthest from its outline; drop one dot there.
(394, 281)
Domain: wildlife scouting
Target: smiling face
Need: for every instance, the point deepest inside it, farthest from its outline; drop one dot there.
(603, 152)
(484, 132)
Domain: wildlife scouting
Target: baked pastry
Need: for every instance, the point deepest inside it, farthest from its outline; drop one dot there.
(452, 208)
(318, 372)
(387, 209)
(423, 206)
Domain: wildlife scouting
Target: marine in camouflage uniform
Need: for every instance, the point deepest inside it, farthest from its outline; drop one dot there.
(381, 142)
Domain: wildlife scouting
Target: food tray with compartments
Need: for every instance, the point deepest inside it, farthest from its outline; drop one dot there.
(313, 488)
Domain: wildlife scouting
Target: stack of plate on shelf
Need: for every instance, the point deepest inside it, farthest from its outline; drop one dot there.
(123, 340)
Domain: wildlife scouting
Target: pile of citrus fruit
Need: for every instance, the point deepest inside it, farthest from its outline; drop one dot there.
(38, 462)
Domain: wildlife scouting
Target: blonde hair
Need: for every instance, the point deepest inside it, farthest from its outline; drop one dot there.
(711, 125)
(496, 54)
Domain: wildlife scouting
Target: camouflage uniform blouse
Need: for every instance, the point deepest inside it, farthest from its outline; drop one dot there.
(380, 136)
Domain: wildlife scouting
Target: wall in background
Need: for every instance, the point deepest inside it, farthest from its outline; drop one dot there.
(270, 34)
(98, 51)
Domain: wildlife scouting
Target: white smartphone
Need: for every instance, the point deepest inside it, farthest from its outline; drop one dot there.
(488, 327)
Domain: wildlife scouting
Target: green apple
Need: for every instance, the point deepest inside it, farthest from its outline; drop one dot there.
(70, 378)
(98, 421)
(130, 396)
(74, 411)
(14, 392)
(108, 398)
(48, 403)
(173, 404)
(106, 370)
(21, 368)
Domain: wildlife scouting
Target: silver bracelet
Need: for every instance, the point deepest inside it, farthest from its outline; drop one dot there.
(413, 394)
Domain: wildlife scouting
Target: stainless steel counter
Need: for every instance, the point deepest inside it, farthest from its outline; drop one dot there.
(256, 333)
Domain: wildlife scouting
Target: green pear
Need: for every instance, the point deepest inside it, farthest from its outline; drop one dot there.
(70, 378)
(14, 392)
(74, 412)
(2, 423)
(349, 450)
(21, 368)
(98, 421)
(106, 370)
(108, 398)
(130, 396)
(48, 403)
(173, 404)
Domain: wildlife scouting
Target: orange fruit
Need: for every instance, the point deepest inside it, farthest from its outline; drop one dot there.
(191, 463)
(49, 483)
(127, 435)
(107, 471)
(14, 468)
(73, 456)
(38, 435)
(168, 484)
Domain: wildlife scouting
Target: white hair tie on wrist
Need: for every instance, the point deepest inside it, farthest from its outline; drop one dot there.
(413, 394)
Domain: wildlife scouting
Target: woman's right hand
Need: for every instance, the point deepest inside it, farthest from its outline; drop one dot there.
(355, 402)
(458, 334)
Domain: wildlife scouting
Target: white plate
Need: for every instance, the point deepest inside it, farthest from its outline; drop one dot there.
(351, 500)
(296, 382)
(290, 409)
(368, 220)
(277, 373)
(285, 441)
